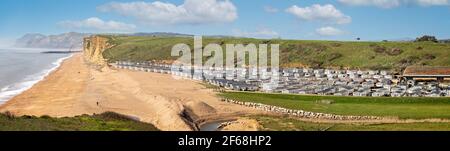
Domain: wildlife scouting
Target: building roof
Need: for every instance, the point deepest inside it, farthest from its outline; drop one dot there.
(426, 71)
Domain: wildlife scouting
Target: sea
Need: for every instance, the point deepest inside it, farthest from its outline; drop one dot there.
(21, 68)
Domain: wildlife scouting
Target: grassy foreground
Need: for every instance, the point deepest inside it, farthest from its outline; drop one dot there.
(288, 124)
(414, 108)
(102, 122)
(296, 53)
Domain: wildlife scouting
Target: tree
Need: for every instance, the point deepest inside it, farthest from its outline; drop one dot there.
(426, 38)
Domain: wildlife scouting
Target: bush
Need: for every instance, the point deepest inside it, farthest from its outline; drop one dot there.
(379, 49)
(9, 115)
(45, 117)
(409, 61)
(429, 57)
(384, 50)
(426, 38)
(395, 51)
(266, 42)
(334, 56)
(115, 116)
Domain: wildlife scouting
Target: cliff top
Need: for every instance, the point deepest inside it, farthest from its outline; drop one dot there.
(312, 53)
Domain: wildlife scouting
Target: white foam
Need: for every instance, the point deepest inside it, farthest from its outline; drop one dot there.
(4, 89)
(10, 91)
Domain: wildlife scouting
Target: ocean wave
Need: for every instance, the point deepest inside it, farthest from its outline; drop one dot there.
(12, 90)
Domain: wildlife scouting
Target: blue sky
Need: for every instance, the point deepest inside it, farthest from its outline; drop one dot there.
(288, 19)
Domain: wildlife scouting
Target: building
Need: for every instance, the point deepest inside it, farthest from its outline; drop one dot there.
(416, 73)
(415, 81)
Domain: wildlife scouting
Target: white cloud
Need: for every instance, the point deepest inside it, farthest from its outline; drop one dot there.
(326, 13)
(329, 31)
(270, 9)
(377, 3)
(259, 33)
(95, 23)
(394, 3)
(190, 12)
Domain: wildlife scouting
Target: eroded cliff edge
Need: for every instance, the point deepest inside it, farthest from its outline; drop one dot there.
(93, 48)
(137, 98)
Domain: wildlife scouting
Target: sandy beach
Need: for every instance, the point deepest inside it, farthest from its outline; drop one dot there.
(77, 88)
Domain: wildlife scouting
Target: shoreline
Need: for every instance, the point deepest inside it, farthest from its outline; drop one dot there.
(77, 88)
(10, 94)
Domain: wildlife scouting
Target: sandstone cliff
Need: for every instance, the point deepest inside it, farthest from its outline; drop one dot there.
(93, 48)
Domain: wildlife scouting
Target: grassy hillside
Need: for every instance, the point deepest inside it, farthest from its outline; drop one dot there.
(269, 123)
(103, 122)
(364, 55)
(405, 107)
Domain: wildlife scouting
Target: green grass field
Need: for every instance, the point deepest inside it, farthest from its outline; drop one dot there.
(405, 107)
(288, 124)
(102, 122)
(294, 53)
(320, 54)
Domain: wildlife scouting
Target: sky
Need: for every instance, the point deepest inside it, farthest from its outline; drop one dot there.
(287, 19)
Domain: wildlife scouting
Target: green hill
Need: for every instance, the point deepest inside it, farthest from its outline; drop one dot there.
(108, 121)
(297, 53)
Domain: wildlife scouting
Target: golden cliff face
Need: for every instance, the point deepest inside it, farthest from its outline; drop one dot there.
(93, 48)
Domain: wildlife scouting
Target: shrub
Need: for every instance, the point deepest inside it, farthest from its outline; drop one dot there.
(9, 115)
(429, 57)
(45, 117)
(395, 51)
(266, 42)
(334, 56)
(379, 49)
(28, 117)
(409, 61)
(426, 38)
(115, 116)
